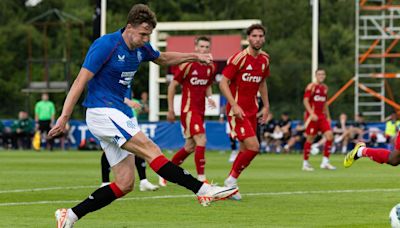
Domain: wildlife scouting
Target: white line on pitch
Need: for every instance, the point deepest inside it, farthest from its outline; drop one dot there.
(191, 195)
(45, 189)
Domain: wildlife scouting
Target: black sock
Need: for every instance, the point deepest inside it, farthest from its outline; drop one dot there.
(176, 174)
(98, 199)
(140, 167)
(105, 168)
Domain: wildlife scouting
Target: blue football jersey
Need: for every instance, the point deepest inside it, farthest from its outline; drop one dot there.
(114, 67)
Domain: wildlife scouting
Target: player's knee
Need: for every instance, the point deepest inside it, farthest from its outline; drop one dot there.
(254, 146)
(394, 159)
(126, 185)
(189, 148)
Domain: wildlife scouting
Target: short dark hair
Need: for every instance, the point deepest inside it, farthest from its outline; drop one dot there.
(141, 13)
(202, 38)
(320, 69)
(255, 26)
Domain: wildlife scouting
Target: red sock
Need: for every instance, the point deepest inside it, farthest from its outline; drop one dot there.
(242, 161)
(158, 162)
(327, 148)
(199, 159)
(377, 155)
(117, 192)
(180, 156)
(306, 150)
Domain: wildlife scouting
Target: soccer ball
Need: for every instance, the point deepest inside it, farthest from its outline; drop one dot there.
(314, 149)
(394, 216)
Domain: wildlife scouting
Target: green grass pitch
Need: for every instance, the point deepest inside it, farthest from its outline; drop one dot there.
(276, 193)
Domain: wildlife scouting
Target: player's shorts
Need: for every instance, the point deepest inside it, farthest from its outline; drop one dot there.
(321, 125)
(397, 142)
(243, 128)
(112, 128)
(192, 123)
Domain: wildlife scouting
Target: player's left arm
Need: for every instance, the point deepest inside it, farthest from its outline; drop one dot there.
(326, 109)
(263, 89)
(176, 58)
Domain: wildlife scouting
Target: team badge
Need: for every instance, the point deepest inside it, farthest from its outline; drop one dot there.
(196, 127)
(208, 72)
(242, 130)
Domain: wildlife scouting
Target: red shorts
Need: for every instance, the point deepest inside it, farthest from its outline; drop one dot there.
(397, 142)
(192, 123)
(321, 125)
(242, 129)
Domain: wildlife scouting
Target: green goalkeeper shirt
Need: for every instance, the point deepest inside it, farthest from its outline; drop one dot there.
(44, 110)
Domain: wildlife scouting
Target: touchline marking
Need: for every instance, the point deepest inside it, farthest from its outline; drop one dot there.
(192, 196)
(45, 189)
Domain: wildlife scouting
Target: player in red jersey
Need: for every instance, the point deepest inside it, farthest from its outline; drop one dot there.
(379, 155)
(244, 75)
(317, 119)
(195, 79)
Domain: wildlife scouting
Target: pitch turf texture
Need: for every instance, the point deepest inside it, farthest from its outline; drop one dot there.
(276, 193)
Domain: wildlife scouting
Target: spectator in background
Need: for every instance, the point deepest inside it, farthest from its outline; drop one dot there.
(298, 136)
(44, 117)
(285, 126)
(357, 129)
(268, 133)
(23, 128)
(391, 128)
(340, 132)
(143, 115)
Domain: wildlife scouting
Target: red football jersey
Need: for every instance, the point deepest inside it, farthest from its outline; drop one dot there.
(246, 74)
(195, 79)
(317, 95)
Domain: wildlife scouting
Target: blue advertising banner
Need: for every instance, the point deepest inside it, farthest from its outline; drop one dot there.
(166, 135)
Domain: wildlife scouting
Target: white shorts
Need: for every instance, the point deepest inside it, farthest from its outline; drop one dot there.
(112, 128)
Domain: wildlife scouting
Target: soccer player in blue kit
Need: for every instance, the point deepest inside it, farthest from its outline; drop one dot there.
(108, 69)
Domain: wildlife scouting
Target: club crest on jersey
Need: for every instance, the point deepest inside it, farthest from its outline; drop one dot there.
(121, 58)
(130, 124)
(196, 128)
(195, 72)
(208, 72)
(249, 67)
(198, 81)
(242, 130)
(247, 77)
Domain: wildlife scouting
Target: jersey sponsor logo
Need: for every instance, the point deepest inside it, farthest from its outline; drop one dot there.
(195, 72)
(197, 81)
(247, 77)
(249, 67)
(121, 58)
(319, 98)
(127, 77)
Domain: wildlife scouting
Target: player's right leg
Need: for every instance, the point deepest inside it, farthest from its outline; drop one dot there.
(145, 148)
(306, 152)
(111, 128)
(199, 156)
(124, 179)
